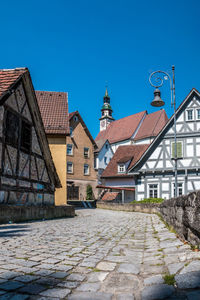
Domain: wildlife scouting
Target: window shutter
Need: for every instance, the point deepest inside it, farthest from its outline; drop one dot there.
(179, 150)
(173, 150)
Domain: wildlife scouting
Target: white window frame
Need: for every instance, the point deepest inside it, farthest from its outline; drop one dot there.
(72, 167)
(121, 168)
(88, 168)
(187, 111)
(178, 191)
(71, 153)
(86, 154)
(150, 186)
(197, 109)
(105, 160)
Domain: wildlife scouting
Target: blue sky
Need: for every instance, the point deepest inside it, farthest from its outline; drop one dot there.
(78, 45)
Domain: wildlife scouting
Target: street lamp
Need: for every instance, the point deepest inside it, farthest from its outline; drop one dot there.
(158, 102)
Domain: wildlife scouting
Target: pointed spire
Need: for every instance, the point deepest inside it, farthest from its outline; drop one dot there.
(106, 93)
(106, 97)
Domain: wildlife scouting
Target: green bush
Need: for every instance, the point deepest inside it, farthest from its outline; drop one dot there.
(89, 193)
(149, 200)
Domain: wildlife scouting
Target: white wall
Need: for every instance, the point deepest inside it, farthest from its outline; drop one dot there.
(120, 182)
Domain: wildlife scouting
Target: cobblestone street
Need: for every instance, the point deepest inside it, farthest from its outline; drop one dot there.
(99, 254)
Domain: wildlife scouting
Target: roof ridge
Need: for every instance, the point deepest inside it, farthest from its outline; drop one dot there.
(15, 69)
(37, 91)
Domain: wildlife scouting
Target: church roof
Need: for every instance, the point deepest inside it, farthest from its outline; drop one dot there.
(152, 125)
(121, 129)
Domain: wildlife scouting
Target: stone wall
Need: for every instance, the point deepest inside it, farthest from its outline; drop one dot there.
(183, 213)
(26, 213)
(140, 207)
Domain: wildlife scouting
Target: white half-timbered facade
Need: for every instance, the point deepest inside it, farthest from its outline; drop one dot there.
(154, 172)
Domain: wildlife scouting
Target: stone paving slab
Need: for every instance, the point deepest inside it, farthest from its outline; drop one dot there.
(98, 255)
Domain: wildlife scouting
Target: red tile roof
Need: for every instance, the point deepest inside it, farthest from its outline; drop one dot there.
(9, 77)
(152, 125)
(110, 196)
(121, 129)
(133, 152)
(54, 110)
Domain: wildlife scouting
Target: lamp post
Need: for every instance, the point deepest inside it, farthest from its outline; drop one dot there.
(158, 102)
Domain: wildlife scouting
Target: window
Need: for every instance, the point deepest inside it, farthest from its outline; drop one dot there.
(105, 160)
(179, 147)
(12, 129)
(189, 116)
(179, 189)
(86, 152)
(106, 146)
(198, 114)
(25, 136)
(69, 167)
(153, 191)
(121, 168)
(75, 118)
(69, 149)
(86, 169)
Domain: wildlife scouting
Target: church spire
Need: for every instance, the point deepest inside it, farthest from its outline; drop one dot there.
(106, 112)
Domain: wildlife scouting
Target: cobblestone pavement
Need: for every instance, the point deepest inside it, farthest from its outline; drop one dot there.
(98, 255)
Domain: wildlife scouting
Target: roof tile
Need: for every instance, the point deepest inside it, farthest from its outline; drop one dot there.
(121, 129)
(110, 196)
(152, 125)
(54, 110)
(9, 77)
(133, 152)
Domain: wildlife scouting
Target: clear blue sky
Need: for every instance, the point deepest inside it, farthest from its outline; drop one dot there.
(78, 45)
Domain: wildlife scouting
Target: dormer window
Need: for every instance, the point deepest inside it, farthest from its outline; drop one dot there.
(121, 168)
(75, 118)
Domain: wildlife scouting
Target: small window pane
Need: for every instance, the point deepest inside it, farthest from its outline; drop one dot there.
(86, 169)
(69, 149)
(86, 152)
(69, 167)
(198, 114)
(179, 189)
(12, 128)
(153, 190)
(121, 168)
(190, 114)
(26, 136)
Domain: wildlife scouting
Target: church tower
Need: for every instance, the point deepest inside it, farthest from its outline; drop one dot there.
(106, 112)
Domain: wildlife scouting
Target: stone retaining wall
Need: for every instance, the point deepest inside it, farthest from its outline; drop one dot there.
(183, 213)
(140, 207)
(27, 213)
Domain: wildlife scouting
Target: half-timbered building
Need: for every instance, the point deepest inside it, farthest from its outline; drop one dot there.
(154, 171)
(27, 172)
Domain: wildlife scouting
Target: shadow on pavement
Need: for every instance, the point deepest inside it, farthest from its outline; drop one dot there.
(13, 230)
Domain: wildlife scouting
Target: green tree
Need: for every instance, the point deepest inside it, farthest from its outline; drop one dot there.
(89, 193)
